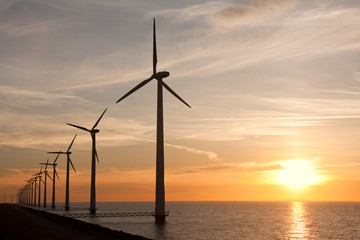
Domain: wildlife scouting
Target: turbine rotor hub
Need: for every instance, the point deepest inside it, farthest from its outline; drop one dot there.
(161, 75)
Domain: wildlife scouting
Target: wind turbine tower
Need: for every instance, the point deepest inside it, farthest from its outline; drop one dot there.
(54, 173)
(159, 76)
(31, 185)
(68, 162)
(32, 192)
(38, 175)
(46, 175)
(94, 155)
(35, 180)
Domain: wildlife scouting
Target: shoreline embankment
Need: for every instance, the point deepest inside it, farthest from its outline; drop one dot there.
(19, 222)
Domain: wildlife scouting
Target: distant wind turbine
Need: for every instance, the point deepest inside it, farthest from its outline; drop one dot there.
(46, 175)
(38, 175)
(160, 188)
(94, 155)
(35, 180)
(68, 162)
(31, 184)
(26, 192)
(54, 164)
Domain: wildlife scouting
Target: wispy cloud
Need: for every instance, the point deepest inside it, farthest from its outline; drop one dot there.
(255, 11)
(40, 96)
(189, 13)
(242, 167)
(13, 68)
(211, 155)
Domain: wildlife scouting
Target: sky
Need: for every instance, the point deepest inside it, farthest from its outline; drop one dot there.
(270, 83)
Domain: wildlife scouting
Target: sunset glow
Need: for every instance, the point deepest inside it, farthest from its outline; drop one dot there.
(274, 89)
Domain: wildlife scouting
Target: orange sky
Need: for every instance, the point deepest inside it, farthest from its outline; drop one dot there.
(268, 82)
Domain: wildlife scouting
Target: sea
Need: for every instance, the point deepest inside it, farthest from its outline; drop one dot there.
(232, 220)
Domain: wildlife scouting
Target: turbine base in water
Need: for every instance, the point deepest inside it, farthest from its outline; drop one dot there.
(92, 211)
(160, 219)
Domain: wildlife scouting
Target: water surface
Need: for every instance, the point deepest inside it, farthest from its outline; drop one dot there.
(237, 220)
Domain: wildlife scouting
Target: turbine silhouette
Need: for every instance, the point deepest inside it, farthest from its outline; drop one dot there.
(46, 175)
(38, 175)
(68, 163)
(54, 164)
(94, 155)
(35, 181)
(160, 188)
(31, 185)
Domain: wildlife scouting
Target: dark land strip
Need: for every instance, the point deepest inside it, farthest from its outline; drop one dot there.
(22, 223)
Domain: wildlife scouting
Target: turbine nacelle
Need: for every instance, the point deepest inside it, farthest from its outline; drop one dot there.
(95, 130)
(161, 75)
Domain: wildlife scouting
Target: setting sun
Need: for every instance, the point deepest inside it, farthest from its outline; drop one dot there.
(297, 173)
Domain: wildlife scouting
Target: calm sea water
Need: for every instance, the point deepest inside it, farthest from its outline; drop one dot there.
(236, 220)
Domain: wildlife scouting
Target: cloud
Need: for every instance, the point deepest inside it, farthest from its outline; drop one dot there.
(189, 13)
(41, 96)
(13, 68)
(243, 167)
(5, 4)
(17, 173)
(257, 10)
(211, 155)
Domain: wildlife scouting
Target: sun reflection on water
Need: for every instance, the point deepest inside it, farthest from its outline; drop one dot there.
(297, 222)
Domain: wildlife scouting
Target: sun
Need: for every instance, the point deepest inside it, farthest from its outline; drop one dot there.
(297, 173)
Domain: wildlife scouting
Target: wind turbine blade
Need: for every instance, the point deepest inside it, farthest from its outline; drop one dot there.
(71, 144)
(47, 163)
(154, 50)
(72, 165)
(136, 88)
(56, 152)
(96, 155)
(49, 176)
(173, 93)
(82, 128)
(57, 175)
(56, 157)
(98, 120)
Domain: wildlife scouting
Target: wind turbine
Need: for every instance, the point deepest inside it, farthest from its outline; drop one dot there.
(46, 175)
(68, 162)
(92, 132)
(159, 76)
(24, 194)
(31, 181)
(35, 180)
(38, 175)
(28, 192)
(54, 164)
